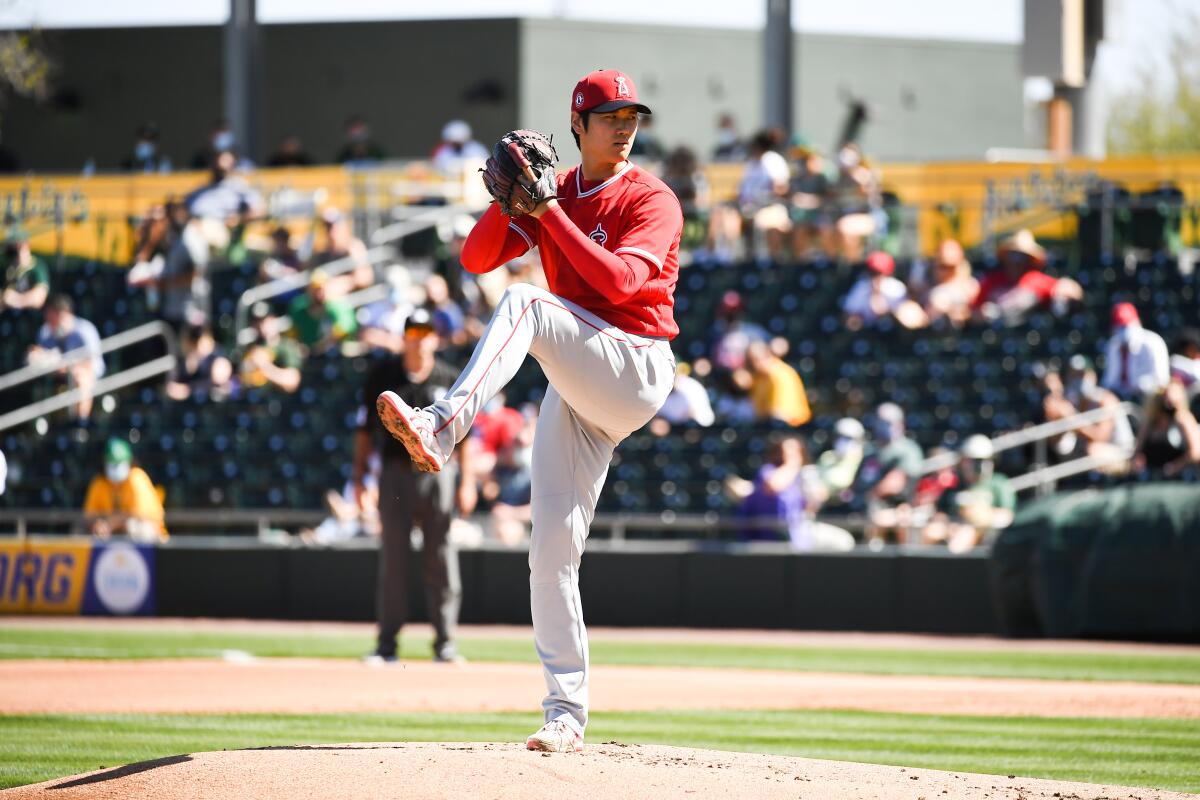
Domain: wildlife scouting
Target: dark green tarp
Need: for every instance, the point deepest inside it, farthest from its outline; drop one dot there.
(1122, 562)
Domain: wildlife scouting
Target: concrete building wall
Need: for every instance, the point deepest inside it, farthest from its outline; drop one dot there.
(929, 99)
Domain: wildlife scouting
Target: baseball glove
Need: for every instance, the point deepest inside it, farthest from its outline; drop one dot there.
(520, 173)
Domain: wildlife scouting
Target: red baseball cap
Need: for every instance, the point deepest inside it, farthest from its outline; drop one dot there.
(606, 90)
(1124, 314)
(881, 263)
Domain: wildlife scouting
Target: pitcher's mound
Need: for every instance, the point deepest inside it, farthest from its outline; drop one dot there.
(509, 772)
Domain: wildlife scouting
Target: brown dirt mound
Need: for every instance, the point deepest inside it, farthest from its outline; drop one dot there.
(286, 685)
(444, 770)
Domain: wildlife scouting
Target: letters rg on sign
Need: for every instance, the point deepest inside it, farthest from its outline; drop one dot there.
(42, 578)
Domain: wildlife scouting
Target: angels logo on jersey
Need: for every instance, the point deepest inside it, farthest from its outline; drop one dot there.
(622, 87)
(599, 236)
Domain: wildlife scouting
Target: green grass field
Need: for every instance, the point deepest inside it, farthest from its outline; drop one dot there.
(1161, 753)
(1155, 753)
(52, 642)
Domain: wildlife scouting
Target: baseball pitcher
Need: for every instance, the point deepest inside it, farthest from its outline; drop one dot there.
(609, 238)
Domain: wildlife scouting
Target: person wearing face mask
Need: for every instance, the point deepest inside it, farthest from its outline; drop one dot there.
(457, 152)
(359, 148)
(838, 466)
(888, 475)
(1137, 362)
(729, 144)
(63, 333)
(983, 503)
(146, 156)
(124, 500)
(1076, 392)
(220, 140)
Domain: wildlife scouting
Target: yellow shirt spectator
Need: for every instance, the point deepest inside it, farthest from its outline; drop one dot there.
(134, 497)
(777, 391)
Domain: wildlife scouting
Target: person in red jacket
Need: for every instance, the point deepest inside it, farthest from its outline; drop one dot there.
(609, 244)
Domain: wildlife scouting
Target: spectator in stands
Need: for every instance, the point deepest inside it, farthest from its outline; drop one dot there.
(341, 243)
(457, 154)
(408, 497)
(1110, 438)
(381, 324)
(682, 173)
(729, 142)
(507, 486)
(496, 427)
(171, 263)
(221, 139)
(202, 369)
(124, 500)
(1019, 284)
(779, 497)
(352, 514)
(982, 504)
(359, 149)
(448, 316)
(227, 197)
(888, 476)
(283, 260)
(688, 400)
(855, 200)
(647, 147)
(1185, 363)
(951, 288)
(270, 359)
(63, 333)
(1168, 441)
(812, 222)
(319, 322)
(776, 389)
(838, 466)
(731, 334)
(146, 156)
(290, 153)
(878, 295)
(762, 196)
(26, 276)
(1137, 363)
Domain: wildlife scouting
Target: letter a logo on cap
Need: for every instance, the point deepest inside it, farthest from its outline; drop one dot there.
(622, 87)
(578, 99)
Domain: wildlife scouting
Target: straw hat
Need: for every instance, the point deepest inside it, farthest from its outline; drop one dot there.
(1023, 242)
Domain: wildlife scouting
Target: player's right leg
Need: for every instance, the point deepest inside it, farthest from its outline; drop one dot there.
(591, 361)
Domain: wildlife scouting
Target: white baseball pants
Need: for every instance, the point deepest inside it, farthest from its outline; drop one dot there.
(604, 384)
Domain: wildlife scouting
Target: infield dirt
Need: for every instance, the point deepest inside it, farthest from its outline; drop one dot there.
(604, 771)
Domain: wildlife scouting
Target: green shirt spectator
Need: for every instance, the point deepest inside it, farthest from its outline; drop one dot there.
(26, 277)
(318, 321)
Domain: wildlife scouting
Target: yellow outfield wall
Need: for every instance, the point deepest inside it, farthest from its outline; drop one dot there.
(97, 213)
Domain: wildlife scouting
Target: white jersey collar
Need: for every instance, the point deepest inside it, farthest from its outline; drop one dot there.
(579, 181)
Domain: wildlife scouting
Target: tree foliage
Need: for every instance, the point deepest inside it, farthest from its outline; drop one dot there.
(1163, 114)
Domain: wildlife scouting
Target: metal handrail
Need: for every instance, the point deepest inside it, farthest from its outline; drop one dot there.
(419, 221)
(1046, 430)
(1076, 466)
(72, 357)
(109, 383)
(299, 280)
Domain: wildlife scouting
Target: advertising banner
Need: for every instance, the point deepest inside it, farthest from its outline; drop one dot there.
(75, 576)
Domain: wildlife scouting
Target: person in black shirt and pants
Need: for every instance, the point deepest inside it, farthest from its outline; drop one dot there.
(408, 497)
